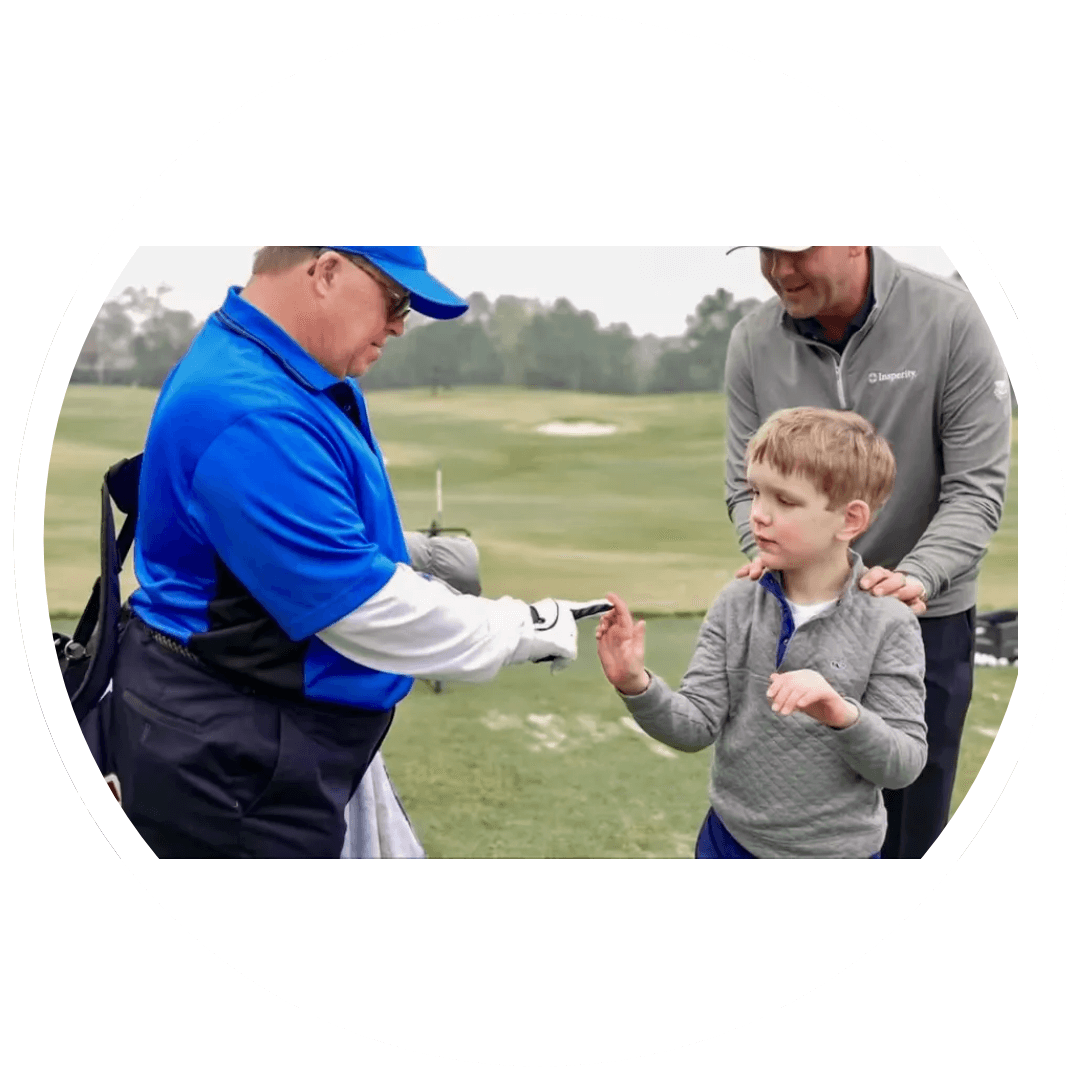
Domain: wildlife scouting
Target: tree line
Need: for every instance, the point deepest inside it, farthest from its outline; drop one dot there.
(136, 340)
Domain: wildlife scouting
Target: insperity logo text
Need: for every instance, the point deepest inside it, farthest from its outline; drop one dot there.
(890, 376)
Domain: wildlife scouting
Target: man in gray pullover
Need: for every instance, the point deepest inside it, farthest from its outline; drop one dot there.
(853, 329)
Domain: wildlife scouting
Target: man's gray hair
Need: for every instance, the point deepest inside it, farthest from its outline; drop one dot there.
(273, 260)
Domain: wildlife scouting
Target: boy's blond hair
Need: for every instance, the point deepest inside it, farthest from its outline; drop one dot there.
(840, 453)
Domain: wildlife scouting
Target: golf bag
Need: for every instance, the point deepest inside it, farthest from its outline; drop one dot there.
(996, 637)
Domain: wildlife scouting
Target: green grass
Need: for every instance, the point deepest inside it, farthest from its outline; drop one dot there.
(532, 764)
(993, 689)
(537, 765)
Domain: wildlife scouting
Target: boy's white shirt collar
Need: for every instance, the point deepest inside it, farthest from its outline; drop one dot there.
(857, 569)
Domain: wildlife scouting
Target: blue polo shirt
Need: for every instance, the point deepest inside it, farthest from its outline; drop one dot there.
(265, 513)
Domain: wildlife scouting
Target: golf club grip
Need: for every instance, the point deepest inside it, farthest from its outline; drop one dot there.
(592, 609)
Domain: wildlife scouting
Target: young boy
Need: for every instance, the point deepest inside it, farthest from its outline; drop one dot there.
(810, 689)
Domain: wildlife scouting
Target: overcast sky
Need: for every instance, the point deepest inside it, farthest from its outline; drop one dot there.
(652, 289)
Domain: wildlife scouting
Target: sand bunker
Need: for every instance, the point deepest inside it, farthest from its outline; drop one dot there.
(577, 428)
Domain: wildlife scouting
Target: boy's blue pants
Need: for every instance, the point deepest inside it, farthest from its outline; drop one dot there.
(715, 842)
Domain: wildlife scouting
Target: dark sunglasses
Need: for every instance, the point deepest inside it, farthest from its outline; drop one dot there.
(398, 300)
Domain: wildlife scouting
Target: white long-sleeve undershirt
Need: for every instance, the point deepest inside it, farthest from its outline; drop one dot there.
(415, 625)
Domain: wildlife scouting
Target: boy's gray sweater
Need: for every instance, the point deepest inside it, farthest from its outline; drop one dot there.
(787, 786)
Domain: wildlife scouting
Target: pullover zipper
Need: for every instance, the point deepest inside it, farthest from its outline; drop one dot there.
(788, 629)
(838, 361)
(839, 382)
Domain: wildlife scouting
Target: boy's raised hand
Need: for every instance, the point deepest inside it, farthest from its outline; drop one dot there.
(808, 692)
(620, 644)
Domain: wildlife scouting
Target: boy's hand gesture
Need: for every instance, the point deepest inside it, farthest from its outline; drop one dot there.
(808, 692)
(620, 644)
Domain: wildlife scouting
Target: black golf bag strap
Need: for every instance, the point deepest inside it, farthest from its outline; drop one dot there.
(97, 634)
(121, 485)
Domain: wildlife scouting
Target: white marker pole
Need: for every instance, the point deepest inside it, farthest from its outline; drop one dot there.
(437, 683)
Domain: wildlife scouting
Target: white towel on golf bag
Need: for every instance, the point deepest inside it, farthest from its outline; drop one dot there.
(376, 825)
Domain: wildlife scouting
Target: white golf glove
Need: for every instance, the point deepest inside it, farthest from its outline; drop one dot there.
(554, 629)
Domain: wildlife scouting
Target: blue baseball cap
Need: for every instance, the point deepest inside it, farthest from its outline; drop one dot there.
(408, 267)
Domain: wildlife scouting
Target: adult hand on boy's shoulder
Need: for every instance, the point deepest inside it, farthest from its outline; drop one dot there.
(808, 692)
(753, 569)
(904, 587)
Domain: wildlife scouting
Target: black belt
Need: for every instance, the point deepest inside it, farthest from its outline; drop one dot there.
(173, 645)
(250, 686)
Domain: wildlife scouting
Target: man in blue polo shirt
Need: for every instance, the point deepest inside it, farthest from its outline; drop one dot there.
(278, 621)
(851, 328)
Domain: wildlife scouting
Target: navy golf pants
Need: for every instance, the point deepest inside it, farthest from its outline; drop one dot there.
(919, 812)
(211, 769)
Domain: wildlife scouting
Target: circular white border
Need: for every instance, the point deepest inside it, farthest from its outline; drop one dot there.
(544, 962)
